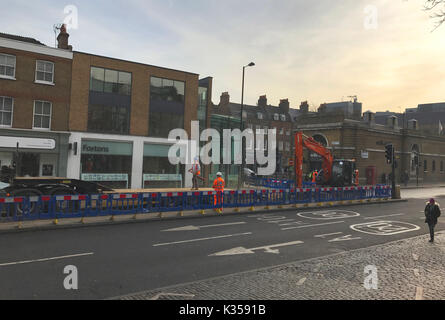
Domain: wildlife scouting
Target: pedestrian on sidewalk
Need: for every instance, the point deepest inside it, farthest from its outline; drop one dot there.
(196, 171)
(432, 213)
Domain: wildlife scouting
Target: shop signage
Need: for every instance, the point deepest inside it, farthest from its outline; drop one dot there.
(365, 155)
(162, 177)
(107, 147)
(27, 143)
(104, 177)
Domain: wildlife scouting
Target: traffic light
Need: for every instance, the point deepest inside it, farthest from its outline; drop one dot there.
(389, 153)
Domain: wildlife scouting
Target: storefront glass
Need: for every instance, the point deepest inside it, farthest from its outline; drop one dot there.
(158, 171)
(107, 162)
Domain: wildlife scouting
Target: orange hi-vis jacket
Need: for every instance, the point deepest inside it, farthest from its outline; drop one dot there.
(219, 184)
(314, 176)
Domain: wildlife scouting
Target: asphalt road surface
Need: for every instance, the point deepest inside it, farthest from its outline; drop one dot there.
(126, 258)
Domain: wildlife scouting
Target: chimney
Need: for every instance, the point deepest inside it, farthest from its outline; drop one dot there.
(304, 107)
(62, 39)
(262, 101)
(224, 100)
(284, 105)
(369, 117)
(392, 122)
(413, 124)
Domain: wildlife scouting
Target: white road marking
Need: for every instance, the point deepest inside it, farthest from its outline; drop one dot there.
(327, 234)
(202, 239)
(344, 238)
(419, 293)
(301, 281)
(313, 225)
(47, 259)
(384, 228)
(267, 249)
(195, 228)
(390, 215)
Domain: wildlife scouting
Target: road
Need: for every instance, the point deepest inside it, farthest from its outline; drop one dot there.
(121, 259)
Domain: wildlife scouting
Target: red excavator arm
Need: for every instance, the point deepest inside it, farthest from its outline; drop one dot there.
(301, 141)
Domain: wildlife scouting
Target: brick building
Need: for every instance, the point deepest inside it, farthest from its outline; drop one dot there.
(35, 84)
(93, 117)
(421, 156)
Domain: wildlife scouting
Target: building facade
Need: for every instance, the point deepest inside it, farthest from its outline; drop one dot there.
(35, 86)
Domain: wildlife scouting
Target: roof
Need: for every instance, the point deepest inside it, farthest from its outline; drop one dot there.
(20, 38)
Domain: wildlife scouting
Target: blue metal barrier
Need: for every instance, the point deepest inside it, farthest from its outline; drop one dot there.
(75, 206)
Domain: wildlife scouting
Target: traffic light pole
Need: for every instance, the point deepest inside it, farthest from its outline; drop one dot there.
(393, 167)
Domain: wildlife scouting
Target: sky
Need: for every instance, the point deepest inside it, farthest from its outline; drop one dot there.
(382, 51)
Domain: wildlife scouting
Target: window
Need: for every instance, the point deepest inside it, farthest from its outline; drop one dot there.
(109, 119)
(287, 132)
(280, 145)
(433, 166)
(281, 131)
(425, 165)
(287, 146)
(276, 116)
(259, 115)
(283, 117)
(110, 81)
(441, 166)
(6, 104)
(42, 115)
(44, 71)
(167, 90)
(7, 66)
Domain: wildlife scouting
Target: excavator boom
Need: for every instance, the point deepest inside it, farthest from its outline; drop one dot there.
(301, 141)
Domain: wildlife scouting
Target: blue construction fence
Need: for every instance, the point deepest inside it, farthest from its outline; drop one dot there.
(277, 183)
(79, 206)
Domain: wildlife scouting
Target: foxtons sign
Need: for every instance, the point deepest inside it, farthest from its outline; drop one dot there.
(95, 149)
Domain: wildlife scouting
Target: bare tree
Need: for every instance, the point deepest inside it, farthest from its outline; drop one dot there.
(437, 7)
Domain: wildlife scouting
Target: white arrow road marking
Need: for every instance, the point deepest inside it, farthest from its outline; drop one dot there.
(327, 234)
(47, 259)
(344, 238)
(202, 239)
(419, 293)
(195, 228)
(312, 225)
(267, 249)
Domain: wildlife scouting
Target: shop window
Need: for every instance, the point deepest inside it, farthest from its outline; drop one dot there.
(42, 115)
(441, 166)
(433, 166)
(7, 66)
(425, 165)
(259, 116)
(6, 106)
(109, 119)
(44, 71)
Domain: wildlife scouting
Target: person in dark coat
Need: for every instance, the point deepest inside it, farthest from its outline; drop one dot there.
(432, 212)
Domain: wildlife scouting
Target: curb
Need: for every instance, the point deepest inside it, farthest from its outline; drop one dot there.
(194, 215)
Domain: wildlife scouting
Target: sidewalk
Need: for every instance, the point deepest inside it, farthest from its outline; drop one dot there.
(407, 269)
(413, 185)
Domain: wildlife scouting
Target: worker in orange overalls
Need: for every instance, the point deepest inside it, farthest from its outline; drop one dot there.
(314, 176)
(219, 185)
(356, 176)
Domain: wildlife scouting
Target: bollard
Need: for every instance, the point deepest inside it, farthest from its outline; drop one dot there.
(19, 226)
(181, 213)
(252, 209)
(202, 212)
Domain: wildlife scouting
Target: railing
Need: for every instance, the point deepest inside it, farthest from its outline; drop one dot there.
(80, 206)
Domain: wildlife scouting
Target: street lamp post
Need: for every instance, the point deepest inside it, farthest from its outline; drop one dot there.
(240, 173)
